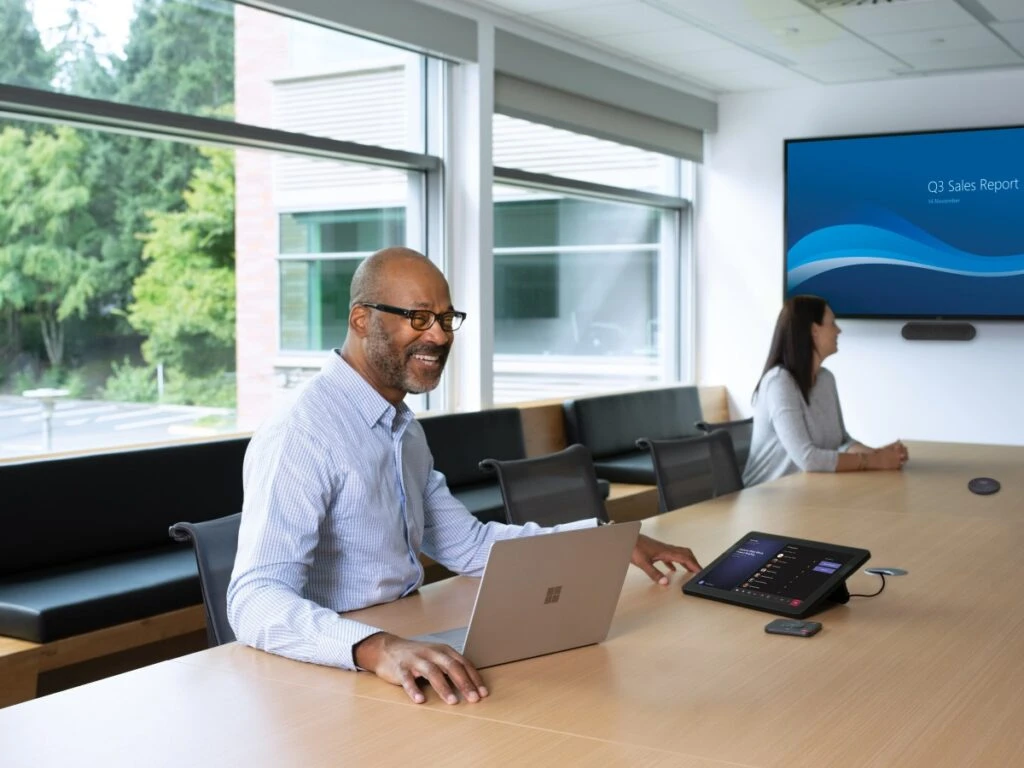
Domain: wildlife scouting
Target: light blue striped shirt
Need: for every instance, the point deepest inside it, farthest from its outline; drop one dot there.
(340, 497)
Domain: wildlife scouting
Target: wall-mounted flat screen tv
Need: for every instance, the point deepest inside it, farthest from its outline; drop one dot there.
(909, 225)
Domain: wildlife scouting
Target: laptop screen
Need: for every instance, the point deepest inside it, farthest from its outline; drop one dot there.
(776, 573)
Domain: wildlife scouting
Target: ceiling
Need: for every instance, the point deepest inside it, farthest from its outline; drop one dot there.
(744, 45)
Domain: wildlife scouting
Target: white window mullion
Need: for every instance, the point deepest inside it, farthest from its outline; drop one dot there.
(470, 260)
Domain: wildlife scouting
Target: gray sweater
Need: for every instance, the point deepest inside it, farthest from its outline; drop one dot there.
(791, 435)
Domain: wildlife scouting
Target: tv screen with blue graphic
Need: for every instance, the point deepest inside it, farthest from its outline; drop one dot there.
(913, 225)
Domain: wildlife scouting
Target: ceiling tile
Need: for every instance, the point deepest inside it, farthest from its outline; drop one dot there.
(786, 31)
(874, 68)
(603, 21)
(734, 11)
(1011, 31)
(884, 18)
(653, 43)
(1004, 10)
(711, 61)
(944, 39)
(844, 49)
(976, 57)
(758, 79)
(535, 6)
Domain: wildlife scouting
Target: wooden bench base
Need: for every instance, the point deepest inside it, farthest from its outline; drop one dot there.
(22, 662)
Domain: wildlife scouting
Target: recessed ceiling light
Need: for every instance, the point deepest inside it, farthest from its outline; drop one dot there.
(937, 40)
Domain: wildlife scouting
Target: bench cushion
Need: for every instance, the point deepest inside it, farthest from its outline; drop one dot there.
(609, 425)
(53, 603)
(75, 508)
(460, 441)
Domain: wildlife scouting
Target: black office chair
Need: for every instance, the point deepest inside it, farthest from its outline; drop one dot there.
(215, 543)
(741, 431)
(549, 490)
(693, 469)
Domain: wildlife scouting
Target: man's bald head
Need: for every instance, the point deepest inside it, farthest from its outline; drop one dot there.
(387, 264)
(382, 345)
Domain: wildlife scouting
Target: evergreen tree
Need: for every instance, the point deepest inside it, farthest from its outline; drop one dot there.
(23, 59)
(185, 298)
(179, 57)
(23, 62)
(46, 231)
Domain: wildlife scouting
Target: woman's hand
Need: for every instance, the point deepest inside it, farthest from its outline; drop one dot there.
(892, 456)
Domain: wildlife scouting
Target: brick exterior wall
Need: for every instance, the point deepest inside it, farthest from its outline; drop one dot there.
(260, 53)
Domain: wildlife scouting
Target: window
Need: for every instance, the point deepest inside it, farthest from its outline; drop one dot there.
(588, 264)
(201, 273)
(231, 62)
(320, 253)
(556, 152)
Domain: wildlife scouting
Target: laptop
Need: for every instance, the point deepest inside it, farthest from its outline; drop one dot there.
(544, 594)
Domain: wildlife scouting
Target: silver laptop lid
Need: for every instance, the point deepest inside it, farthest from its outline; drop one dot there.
(548, 593)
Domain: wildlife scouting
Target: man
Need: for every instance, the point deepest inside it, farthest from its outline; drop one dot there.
(341, 495)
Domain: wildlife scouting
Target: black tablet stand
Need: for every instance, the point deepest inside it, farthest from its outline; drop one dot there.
(839, 595)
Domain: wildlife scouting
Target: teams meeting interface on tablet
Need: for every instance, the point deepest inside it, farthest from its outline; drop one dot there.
(775, 571)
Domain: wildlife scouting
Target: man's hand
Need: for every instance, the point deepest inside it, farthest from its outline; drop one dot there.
(649, 551)
(401, 661)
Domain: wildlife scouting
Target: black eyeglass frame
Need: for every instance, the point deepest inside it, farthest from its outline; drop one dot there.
(453, 323)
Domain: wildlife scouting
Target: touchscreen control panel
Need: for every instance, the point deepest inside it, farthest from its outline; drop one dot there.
(775, 570)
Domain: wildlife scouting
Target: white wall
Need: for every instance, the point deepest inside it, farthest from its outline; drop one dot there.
(955, 391)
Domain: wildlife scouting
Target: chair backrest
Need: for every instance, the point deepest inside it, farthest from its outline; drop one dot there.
(549, 490)
(215, 543)
(693, 469)
(741, 431)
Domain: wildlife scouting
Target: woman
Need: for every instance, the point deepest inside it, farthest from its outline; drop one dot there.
(798, 424)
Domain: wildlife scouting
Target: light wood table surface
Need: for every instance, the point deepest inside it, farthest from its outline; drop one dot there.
(929, 673)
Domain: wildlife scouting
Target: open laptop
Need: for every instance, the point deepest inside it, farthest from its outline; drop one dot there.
(543, 594)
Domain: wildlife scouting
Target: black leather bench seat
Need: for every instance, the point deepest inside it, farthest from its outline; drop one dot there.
(85, 544)
(53, 603)
(609, 425)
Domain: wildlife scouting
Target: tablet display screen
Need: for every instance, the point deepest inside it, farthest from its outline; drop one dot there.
(777, 573)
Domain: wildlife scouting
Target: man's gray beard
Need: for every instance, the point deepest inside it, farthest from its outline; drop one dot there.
(390, 363)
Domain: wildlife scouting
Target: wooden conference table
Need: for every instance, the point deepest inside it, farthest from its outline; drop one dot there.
(929, 673)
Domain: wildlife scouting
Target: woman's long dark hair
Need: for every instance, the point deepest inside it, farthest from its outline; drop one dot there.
(792, 344)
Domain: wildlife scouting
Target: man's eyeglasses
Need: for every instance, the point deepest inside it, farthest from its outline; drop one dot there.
(422, 319)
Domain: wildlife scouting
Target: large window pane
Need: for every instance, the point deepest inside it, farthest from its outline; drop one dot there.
(577, 302)
(156, 308)
(218, 59)
(538, 148)
(315, 291)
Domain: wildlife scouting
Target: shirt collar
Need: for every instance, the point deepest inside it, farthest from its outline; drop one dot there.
(367, 401)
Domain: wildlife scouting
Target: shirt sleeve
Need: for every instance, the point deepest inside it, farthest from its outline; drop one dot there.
(785, 410)
(288, 487)
(460, 542)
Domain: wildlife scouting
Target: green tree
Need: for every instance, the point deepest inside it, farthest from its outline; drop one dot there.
(46, 231)
(23, 62)
(23, 59)
(179, 57)
(185, 299)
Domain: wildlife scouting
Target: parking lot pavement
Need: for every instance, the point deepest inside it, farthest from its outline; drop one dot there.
(83, 424)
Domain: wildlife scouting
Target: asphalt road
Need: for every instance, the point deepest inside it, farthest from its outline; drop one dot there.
(82, 424)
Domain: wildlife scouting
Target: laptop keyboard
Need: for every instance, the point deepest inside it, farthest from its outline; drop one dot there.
(456, 638)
